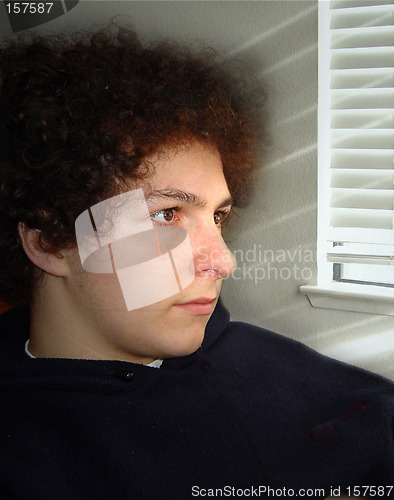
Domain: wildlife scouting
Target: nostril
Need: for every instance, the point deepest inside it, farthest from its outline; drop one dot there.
(215, 273)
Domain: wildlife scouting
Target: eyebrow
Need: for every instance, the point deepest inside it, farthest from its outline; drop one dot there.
(184, 196)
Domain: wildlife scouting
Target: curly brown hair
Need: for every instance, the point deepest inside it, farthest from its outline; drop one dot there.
(78, 115)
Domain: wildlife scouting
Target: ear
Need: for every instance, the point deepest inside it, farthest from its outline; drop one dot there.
(51, 263)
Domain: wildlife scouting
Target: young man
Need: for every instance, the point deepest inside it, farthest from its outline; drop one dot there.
(119, 165)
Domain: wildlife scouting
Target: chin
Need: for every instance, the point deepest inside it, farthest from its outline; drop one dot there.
(186, 343)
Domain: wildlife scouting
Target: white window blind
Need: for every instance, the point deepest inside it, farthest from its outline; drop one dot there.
(356, 147)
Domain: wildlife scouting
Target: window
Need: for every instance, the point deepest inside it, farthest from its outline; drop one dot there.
(356, 157)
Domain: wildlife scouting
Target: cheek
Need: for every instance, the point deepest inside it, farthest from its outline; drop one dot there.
(93, 290)
(97, 291)
(109, 293)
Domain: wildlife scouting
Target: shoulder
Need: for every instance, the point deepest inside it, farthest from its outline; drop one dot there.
(14, 331)
(250, 342)
(263, 353)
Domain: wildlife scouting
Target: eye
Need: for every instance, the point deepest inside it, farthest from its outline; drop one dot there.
(164, 216)
(220, 216)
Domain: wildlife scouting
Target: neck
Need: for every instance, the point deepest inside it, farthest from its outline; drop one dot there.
(60, 329)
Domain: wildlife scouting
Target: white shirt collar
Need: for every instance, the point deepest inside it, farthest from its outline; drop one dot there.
(154, 364)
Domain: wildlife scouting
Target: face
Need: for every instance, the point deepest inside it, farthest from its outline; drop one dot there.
(187, 190)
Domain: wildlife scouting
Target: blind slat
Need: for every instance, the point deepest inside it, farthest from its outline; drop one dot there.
(362, 118)
(362, 99)
(362, 138)
(363, 254)
(360, 235)
(362, 159)
(362, 178)
(371, 57)
(376, 15)
(362, 37)
(362, 78)
(345, 4)
(358, 217)
(360, 259)
(362, 198)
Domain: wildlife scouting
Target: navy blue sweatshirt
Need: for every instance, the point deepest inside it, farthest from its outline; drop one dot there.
(251, 413)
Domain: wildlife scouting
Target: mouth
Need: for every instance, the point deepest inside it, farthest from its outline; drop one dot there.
(199, 306)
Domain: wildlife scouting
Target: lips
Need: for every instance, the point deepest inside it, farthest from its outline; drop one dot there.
(198, 306)
(200, 300)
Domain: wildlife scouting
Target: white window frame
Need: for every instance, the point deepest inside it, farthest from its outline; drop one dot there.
(327, 293)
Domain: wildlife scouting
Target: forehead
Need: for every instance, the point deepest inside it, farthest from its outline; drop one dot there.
(191, 168)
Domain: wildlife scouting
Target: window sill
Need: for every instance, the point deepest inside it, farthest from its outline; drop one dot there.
(349, 297)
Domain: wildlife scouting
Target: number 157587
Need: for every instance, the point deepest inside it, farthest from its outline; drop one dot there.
(28, 7)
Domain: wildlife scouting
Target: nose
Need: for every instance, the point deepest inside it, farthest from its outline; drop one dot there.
(212, 257)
